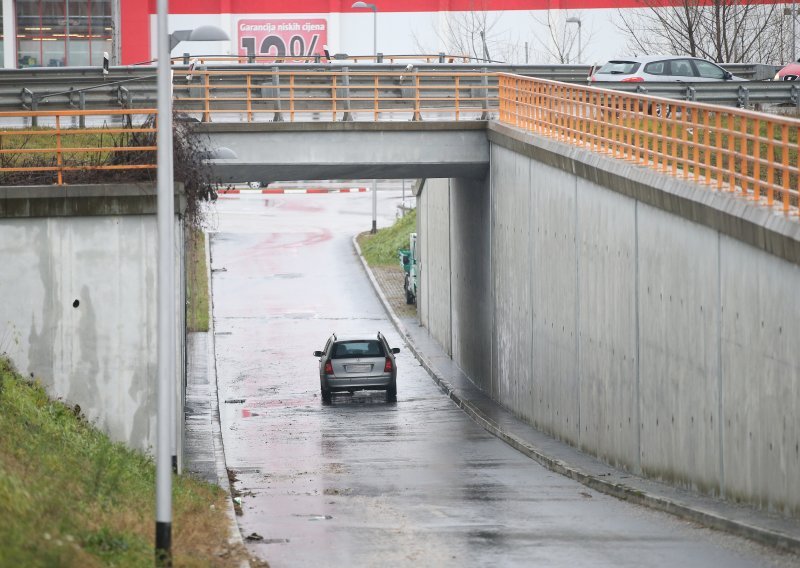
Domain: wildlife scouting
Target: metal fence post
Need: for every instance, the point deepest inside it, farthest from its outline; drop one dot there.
(276, 90)
(483, 93)
(344, 95)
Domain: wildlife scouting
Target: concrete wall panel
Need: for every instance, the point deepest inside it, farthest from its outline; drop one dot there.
(555, 392)
(471, 278)
(629, 319)
(607, 323)
(678, 350)
(83, 319)
(760, 377)
(511, 198)
(436, 285)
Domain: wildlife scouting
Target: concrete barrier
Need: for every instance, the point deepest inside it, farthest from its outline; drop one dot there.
(641, 318)
(79, 281)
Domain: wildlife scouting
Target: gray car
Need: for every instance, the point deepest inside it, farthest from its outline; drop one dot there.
(665, 68)
(357, 363)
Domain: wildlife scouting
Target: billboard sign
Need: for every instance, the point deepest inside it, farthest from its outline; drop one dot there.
(283, 37)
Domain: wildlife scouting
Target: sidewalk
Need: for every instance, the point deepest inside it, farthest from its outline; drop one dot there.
(770, 530)
(204, 453)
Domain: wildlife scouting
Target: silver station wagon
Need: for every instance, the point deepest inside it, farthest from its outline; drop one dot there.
(357, 363)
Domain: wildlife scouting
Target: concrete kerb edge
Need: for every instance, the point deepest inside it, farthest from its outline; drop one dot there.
(618, 490)
(235, 535)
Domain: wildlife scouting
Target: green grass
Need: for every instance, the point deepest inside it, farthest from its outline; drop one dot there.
(381, 248)
(71, 497)
(196, 281)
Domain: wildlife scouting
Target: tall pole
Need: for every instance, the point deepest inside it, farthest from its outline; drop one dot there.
(375, 31)
(580, 44)
(374, 181)
(374, 206)
(166, 299)
(794, 23)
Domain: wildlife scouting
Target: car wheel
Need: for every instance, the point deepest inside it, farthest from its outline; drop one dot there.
(409, 297)
(326, 395)
(391, 393)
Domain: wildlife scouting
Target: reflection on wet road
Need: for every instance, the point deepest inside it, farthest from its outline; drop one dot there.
(363, 482)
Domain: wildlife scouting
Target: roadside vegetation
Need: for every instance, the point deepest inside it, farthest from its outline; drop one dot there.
(381, 248)
(197, 293)
(71, 497)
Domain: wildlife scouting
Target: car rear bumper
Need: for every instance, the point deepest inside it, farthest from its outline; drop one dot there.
(380, 382)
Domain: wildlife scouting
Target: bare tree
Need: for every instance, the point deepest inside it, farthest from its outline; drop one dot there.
(560, 39)
(720, 30)
(472, 33)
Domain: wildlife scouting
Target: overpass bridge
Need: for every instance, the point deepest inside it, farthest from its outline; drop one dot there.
(618, 269)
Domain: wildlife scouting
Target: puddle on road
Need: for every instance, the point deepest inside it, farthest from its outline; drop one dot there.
(314, 517)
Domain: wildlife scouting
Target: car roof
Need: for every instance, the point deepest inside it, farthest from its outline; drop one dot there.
(344, 339)
(649, 58)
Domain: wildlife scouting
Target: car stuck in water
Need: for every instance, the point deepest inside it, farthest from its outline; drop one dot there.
(357, 363)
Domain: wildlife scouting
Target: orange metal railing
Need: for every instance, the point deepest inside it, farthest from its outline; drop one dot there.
(337, 95)
(119, 141)
(725, 149)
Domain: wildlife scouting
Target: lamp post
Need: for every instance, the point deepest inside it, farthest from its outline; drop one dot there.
(793, 14)
(362, 6)
(166, 333)
(576, 20)
(166, 298)
(200, 33)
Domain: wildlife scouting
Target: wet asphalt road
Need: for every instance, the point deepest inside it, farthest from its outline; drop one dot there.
(363, 482)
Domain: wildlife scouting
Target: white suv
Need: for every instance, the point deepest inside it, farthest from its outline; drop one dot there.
(663, 68)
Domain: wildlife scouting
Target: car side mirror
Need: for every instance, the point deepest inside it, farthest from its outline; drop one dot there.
(395, 350)
(318, 353)
(727, 76)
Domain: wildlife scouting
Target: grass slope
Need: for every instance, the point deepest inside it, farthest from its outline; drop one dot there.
(381, 248)
(71, 497)
(196, 281)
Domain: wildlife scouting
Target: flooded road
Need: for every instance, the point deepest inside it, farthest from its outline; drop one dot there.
(363, 482)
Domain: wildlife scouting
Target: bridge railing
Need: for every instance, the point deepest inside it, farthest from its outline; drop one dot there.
(60, 148)
(280, 95)
(722, 148)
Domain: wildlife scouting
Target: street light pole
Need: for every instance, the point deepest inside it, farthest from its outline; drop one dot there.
(576, 20)
(794, 24)
(166, 298)
(362, 6)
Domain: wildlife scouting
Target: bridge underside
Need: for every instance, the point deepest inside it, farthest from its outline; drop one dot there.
(348, 150)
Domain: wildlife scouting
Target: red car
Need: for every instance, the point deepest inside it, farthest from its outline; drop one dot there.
(789, 73)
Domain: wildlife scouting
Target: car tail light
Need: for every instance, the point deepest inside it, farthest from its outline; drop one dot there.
(592, 79)
(633, 80)
(328, 368)
(387, 368)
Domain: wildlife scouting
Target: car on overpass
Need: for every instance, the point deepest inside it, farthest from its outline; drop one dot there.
(350, 364)
(788, 73)
(664, 68)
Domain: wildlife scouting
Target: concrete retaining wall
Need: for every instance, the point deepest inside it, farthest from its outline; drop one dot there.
(641, 318)
(79, 275)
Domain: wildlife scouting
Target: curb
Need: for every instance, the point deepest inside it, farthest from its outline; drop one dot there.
(782, 541)
(235, 535)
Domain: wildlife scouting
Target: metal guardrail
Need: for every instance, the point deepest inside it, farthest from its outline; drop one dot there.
(59, 86)
(721, 148)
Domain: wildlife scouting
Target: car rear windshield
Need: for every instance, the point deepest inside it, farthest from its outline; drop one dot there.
(353, 349)
(619, 67)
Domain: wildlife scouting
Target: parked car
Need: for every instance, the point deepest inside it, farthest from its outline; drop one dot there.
(661, 68)
(357, 363)
(788, 73)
